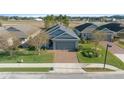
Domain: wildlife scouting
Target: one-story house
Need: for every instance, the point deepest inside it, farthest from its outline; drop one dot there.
(5, 35)
(113, 30)
(85, 31)
(22, 32)
(120, 34)
(109, 34)
(62, 38)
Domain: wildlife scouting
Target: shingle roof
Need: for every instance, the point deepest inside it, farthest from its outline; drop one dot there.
(51, 27)
(106, 30)
(65, 30)
(4, 33)
(112, 26)
(83, 26)
(21, 31)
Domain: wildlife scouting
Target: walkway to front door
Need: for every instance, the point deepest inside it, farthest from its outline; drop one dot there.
(64, 56)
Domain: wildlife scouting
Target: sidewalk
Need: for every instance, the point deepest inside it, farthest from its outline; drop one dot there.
(66, 67)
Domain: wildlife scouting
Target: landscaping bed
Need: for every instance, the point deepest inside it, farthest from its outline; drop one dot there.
(97, 70)
(111, 59)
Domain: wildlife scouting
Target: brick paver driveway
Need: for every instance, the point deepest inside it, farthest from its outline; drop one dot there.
(64, 56)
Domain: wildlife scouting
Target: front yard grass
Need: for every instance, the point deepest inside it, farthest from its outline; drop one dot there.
(28, 57)
(24, 69)
(111, 59)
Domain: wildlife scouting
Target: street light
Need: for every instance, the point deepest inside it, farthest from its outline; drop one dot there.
(106, 54)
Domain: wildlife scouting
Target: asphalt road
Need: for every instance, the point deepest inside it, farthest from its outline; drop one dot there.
(61, 76)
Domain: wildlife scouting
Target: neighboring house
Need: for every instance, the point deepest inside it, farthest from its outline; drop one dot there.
(6, 35)
(114, 30)
(62, 38)
(112, 26)
(23, 32)
(109, 34)
(84, 31)
(120, 34)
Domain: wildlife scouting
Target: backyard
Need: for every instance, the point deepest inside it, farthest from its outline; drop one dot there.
(27, 57)
(111, 59)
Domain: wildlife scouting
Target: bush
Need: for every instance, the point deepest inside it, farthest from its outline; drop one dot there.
(90, 53)
(80, 47)
(31, 48)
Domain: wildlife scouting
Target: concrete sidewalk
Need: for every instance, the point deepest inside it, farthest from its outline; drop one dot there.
(66, 67)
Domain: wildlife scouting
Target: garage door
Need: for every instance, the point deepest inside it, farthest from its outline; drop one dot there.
(65, 45)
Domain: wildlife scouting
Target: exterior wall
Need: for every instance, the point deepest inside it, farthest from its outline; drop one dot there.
(86, 36)
(121, 35)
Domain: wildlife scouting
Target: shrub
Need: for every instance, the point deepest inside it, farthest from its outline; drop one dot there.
(80, 47)
(31, 48)
(90, 53)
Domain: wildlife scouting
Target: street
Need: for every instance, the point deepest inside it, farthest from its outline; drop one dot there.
(62, 76)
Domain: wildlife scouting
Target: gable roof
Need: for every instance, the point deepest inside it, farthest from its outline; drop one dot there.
(89, 29)
(21, 31)
(121, 31)
(63, 29)
(64, 36)
(52, 27)
(112, 26)
(107, 30)
(84, 26)
(4, 33)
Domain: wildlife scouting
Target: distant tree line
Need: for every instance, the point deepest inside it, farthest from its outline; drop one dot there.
(50, 20)
(15, 18)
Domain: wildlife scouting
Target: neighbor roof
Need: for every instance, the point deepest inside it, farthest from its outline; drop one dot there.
(112, 26)
(106, 30)
(4, 33)
(83, 26)
(21, 31)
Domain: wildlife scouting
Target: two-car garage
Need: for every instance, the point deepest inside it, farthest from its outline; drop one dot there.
(64, 45)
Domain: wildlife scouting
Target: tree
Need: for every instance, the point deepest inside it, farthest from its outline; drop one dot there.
(9, 44)
(50, 20)
(39, 40)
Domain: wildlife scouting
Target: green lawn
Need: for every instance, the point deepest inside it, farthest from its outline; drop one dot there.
(111, 59)
(24, 69)
(28, 57)
(97, 70)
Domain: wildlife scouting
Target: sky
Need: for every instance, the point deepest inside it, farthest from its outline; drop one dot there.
(70, 7)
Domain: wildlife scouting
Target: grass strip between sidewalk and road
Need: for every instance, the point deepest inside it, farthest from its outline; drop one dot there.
(32, 69)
